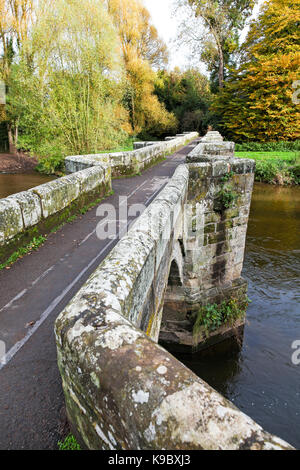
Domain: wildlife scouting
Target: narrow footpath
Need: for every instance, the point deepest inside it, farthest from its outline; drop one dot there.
(32, 294)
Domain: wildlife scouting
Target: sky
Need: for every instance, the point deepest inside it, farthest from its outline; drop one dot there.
(161, 13)
(166, 24)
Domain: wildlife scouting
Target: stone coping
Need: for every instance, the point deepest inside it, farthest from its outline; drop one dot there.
(22, 211)
(133, 161)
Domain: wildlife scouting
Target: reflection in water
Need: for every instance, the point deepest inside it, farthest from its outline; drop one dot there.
(261, 380)
(11, 184)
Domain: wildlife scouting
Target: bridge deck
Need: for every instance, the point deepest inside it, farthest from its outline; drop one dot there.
(33, 292)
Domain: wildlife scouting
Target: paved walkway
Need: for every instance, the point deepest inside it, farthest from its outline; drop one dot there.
(33, 292)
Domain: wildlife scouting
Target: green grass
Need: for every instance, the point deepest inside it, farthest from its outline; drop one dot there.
(25, 250)
(271, 156)
(275, 167)
(69, 443)
(126, 148)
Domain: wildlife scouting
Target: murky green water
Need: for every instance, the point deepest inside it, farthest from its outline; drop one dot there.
(262, 380)
(11, 184)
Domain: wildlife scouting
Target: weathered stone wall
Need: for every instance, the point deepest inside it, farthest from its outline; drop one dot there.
(128, 163)
(216, 220)
(123, 390)
(26, 214)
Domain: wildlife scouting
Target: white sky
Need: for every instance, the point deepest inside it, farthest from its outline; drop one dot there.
(161, 13)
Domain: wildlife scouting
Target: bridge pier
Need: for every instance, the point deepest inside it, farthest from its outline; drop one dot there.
(216, 218)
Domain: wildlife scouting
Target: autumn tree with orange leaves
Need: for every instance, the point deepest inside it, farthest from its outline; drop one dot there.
(142, 49)
(257, 103)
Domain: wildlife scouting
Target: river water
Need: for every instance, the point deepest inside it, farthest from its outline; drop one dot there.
(262, 379)
(11, 184)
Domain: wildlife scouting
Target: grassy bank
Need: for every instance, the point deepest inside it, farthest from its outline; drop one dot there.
(275, 167)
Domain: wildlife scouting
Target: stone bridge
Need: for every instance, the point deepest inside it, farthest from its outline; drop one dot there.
(123, 390)
(185, 251)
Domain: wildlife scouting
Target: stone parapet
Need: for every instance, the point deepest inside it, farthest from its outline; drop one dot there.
(132, 162)
(24, 215)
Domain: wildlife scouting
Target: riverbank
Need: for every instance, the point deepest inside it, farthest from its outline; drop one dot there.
(16, 164)
(280, 168)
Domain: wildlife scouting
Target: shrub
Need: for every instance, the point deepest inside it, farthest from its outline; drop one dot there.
(213, 316)
(268, 146)
(277, 172)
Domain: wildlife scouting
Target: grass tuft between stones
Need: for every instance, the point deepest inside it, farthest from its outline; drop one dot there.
(69, 443)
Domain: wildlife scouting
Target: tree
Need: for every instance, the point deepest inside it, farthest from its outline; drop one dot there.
(68, 97)
(137, 33)
(187, 95)
(257, 104)
(141, 49)
(211, 28)
(15, 19)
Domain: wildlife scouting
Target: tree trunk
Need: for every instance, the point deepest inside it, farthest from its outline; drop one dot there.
(11, 140)
(221, 68)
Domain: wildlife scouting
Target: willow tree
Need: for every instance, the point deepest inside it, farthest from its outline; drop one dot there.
(68, 95)
(142, 50)
(257, 103)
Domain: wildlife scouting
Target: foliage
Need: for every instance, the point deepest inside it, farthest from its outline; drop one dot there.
(141, 48)
(52, 164)
(275, 167)
(227, 177)
(256, 103)
(225, 199)
(213, 316)
(81, 84)
(69, 443)
(65, 92)
(137, 33)
(187, 95)
(211, 30)
(282, 146)
(15, 18)
(32, 246)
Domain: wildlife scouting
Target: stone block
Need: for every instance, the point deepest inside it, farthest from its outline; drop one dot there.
(58, 194)
(220, 168)
(11, 221)
(30, 207)
(91, 178)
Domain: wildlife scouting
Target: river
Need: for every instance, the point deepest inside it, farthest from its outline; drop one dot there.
(262, 379)
(10, 184)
